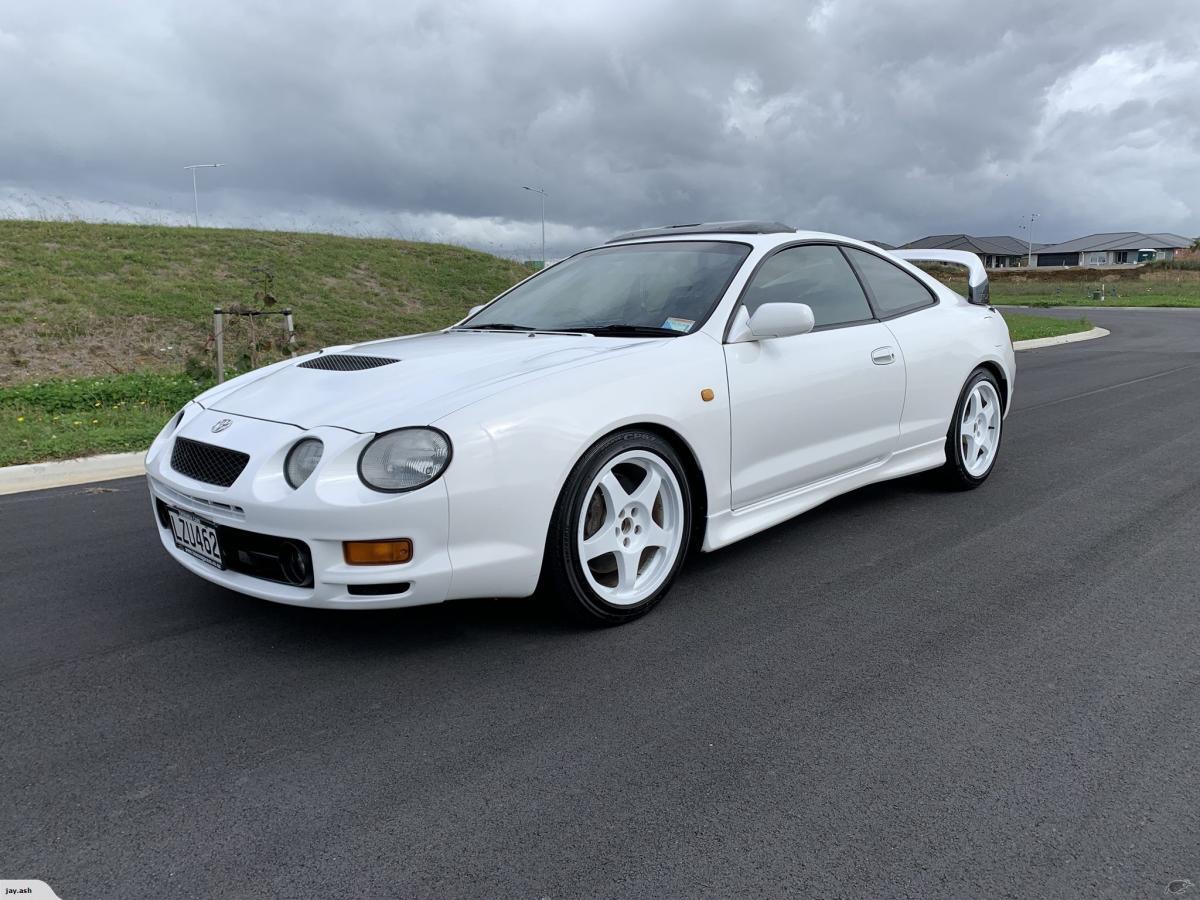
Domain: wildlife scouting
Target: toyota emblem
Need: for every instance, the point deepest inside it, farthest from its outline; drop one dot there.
(221, 425)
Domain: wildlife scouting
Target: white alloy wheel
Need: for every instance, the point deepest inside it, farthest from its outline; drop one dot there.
(979, 428)
(631, 527)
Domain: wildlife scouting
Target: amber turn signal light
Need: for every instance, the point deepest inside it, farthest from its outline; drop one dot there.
(377, 553)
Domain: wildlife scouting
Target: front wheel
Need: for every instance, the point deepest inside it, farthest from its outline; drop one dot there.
(620, 531)
(973, 441)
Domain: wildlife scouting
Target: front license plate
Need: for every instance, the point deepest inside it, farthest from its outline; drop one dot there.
(195, 536)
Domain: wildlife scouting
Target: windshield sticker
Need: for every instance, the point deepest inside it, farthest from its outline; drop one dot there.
(678, 324)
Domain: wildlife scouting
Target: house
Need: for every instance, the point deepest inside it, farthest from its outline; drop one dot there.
(996, 252)
(1116, 248)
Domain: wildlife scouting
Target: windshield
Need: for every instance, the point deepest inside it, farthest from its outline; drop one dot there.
(664, 288)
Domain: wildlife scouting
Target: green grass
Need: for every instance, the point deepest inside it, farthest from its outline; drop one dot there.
(1148, 286)
(1045, 300)
(1024, 327)
(79, 417)
(80, 299)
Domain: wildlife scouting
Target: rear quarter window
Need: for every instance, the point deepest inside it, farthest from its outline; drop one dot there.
(893, 290)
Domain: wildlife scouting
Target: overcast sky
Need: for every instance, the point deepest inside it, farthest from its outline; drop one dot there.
(424, 119)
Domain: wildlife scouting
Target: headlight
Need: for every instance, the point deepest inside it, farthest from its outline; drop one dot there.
(404, 459)
(301, 460)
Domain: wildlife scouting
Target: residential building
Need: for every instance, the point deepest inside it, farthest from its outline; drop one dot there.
(996, 252)
(1117, 248)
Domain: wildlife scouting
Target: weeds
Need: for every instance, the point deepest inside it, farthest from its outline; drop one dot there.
(78, 417)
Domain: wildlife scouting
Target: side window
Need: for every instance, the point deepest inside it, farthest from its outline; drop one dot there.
(893, 289)
(816, 274)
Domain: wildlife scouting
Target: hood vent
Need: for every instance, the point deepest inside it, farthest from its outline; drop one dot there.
(346, 362)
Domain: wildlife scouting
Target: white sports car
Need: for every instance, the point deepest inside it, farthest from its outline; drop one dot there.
(675, 388)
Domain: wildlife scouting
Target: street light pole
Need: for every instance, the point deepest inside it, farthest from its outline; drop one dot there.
(543, 193)
(195, 192)
(1032, 218)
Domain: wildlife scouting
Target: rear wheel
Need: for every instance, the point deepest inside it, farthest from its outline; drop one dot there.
(620, 531)
(973, 442)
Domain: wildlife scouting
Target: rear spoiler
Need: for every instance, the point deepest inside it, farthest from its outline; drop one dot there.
(977, 280)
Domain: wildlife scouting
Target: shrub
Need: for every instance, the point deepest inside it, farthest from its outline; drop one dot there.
(1182, 265)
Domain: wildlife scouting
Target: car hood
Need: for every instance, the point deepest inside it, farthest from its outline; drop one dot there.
(433, 375)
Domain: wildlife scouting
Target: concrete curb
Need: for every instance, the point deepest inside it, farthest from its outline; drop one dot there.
(1036, 343)
(39, 476)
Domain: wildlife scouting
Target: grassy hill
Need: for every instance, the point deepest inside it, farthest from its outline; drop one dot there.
(105, 330)
(80, 299)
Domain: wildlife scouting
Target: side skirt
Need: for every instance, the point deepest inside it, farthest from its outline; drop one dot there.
(726, 527)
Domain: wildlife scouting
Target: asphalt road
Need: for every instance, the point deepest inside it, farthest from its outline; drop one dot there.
(905, 693)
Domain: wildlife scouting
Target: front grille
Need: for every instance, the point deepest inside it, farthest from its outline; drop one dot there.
(346, 362)
(207, 463)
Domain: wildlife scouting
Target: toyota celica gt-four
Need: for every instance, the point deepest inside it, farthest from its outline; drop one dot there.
(675, 388)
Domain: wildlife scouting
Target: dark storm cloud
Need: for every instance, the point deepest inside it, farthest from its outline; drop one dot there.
(880, 120)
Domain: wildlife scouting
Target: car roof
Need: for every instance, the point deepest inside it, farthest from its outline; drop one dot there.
(736, 227)
(738, 231)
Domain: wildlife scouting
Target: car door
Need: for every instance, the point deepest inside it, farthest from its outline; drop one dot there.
(928, 339)
(810, 407)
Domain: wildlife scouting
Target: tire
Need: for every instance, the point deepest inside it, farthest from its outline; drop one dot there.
(973, 441)
(620, 530)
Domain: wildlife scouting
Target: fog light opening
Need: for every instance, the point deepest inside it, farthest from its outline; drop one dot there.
(293, 564)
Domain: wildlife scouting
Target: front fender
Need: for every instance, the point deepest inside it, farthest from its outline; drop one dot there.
(513, 452)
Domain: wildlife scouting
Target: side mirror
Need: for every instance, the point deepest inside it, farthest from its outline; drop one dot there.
(772, 320)
(470, 312)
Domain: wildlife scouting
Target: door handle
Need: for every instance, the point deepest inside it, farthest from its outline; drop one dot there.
(883, 356)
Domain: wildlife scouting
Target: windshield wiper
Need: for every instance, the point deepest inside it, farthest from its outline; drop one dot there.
(495, 326)
(625, 330)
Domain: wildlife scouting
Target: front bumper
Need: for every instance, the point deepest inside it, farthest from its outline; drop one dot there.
(331, 507)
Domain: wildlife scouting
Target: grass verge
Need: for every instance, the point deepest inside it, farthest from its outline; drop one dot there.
(1025, 327)
(80, 417)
